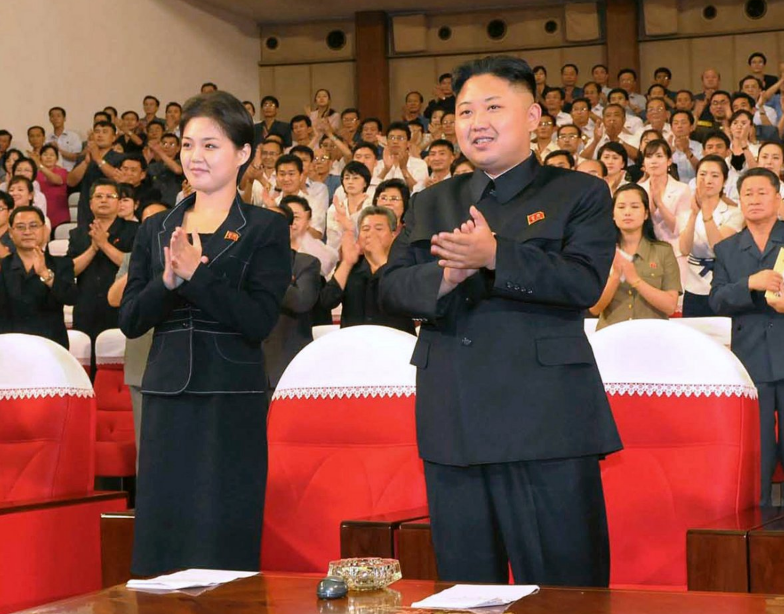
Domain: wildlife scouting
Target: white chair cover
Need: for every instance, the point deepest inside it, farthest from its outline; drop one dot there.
(58, 247)
(110, 347)
(79, 343)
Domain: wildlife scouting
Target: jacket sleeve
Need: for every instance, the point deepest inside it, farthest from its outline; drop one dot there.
(303, 291)
(253, 309)
(146, 302)
(574, 276)
(331, 295)
(63, 290)
(728, 297)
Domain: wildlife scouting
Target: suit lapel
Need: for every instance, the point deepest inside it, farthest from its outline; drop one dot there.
(173, 219)
(227, 234)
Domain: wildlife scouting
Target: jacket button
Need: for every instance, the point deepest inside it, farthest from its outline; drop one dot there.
(530, 291)
(466, 341)
(185, 325)
(509, 285)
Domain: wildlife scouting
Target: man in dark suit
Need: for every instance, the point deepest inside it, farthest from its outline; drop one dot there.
(512, 418)
(269, 125)
(743, 273)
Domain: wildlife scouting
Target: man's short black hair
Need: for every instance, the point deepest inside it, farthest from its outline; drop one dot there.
(400, 127)
(415, 122)
(4, 132)
(743, 96)
(443, 143)
(301, 118)
(171, 135)
(582, 99)
(444, 76)
(514, 70)
(271, 99)
(110, 108)
(36, 128)
(252, 106)
(689, 92)
(373, 120)
(105, 123)
(174, 104)
(267, 141)
(655, 98)
(539, 67)
(595, 66)
(569, 65)
(421, 98)
(718, 134)
(103, 181)
(688, 114)
(720, 93)
(758, 54)
(303, 149)
(747, 78)
(663, 69)
(57, 109)
(208, 84)
(653, 86)
(630, 71)
(556, 90)
(103, 114)
(564, 126)
(618, 90)
(129, 113)
(7, 200)
(157, 122)
(558, 153)
(135, 157)
(299, 200)
(364, 145)
(546, 115)
(760, 172)
(348, 110)
(356, 168)
(151, 97)
(289, 159)
(15, 211)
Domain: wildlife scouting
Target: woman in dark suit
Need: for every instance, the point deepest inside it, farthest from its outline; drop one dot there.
(209, 277)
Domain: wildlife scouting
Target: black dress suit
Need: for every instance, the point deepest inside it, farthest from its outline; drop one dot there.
(294, 329)
(29, 306)
(506, 378)
(203, 458)
(281, 129)
(757, 332)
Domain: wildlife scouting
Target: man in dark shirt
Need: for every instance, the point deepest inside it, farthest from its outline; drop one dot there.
(270, 125)
(355, 282)
(133, 170)
(165, 171)
(97, 252)
(445, 97)
(98, 161)
(6, 207)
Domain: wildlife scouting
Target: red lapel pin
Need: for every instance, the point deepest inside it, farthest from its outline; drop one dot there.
(231, 236)
(535, 217)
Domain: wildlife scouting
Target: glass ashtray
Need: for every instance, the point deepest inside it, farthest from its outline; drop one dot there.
(366, 574)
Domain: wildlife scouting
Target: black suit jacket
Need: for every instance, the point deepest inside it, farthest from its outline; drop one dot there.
(504, 370)
(208, 331)
(282, 129)
(757, 329)
(28, 306)
(294, 329)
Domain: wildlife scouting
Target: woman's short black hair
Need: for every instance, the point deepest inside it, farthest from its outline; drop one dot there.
(647, 226)
(615, 148)
(26, 209)
(758, 54)
(30, 161)
(226, 111)
(725, 171)
(356, 168)
(48, 146)
(514, 70)
(7, 200)
(394, 184)
(655, 145)
(126, 190)
(461, 159)
(29, 184)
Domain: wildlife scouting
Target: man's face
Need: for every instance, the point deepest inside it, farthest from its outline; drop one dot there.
(130, 121)
(349, 121)
(568, 139)
(591, 167)
(684, 102)
(375, 235)
(545, 129)
(36, 138)
(173, 116)
(741, 104)
(367, 157)
(662, 78)
(56, 118)
(301, 130)
(448, 125)
(397, 141)
(681, 126)
(440, 158)
(5, 143)
(715, 146)
(5, 213)
(104, 202)
(28, 232)
(322, 161)
(131, 172)
(391, 198)
(370, 132)
(719, 105)
(413, 104)
(580, 113)
(494, 122)
(618, 98)
(614, 119)
(170, 146)
(301, 220)
(569, 76)
(627, 82)
(446, 86)
(154, 132)
(104, 136)
(553, 102)
(269, 109)
(306, 162)
(710, 80)
(599, 75)
(759, 201)
(269, 155)
(656, 112)
(150, 106)
(288, 178)
(752, 88)
(558, 162)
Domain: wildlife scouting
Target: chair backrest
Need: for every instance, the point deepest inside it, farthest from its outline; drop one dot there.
(58, 247)
(63, 231)
(688, 417)
(324, 329)
(79, 345)
(342, 444)
(718, 328)
(110, 390)
(73, 199)
(47, 420)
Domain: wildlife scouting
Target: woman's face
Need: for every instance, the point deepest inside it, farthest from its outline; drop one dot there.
(209, 158)
(657, 163)
(771, 158)
(448, 125)
(612, 161)
(9, 162)
(21, 195)
(125, 208)
(25, 169)
(435, 123)
(353, 184)
(710, 178)
(540, 76)
(464, 168)
(49, 158)
(629, 211)
(739, 127)
(322, 99)
(391, 198)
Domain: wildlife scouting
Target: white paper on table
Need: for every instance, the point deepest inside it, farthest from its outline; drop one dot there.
(464, 596)
(190, 578)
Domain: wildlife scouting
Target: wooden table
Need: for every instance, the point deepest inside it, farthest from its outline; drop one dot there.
(276, 593)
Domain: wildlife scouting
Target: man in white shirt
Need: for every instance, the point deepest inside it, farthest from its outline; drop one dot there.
(396, 163)
(554, 103)
(686, 152)
(657, 115)
(581, 117)
(627, 80)
(601, 76)
(68, 143)
(440, 156)
(632, 124)
(611, 129)
(316, 191)
(751, 86)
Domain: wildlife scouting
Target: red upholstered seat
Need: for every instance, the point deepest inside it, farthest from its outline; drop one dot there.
(688, 416)
(342, 444)
(49, 531)
(115, 446)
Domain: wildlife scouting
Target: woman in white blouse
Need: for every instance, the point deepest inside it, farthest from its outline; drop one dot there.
(670, 199)
(709, 220)
(343, 213)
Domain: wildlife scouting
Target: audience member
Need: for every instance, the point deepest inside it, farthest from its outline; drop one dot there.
(36, 137)
(444, 96)
(601, 76)
(636, 172)
(615, 159)
(394, 195)
(570, 139)
(632, 123)
(554, 104)
(6, 207)
(644, 280)
(581, 117)
(150, 104)
(396, 162)
(757, 62)
(686, 152)
(662, 76)
(571, 91)
(560, 158)
(316, 191)
(127, 202)
(173, 116)
(412, 109)
(323, 113)
(344, 211)
(627, 80)
(34, 285)
(440, 156)
(540, 78)
(461, 165)
(131, 137)
(165, 171)
(269, 123)
(208, 87)
(597, 168)
(542, 142)
(52, 179)
(27, 168)
(302, 132)
(69, 145)
(743, 152)
(611, 130)
(260, 174)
